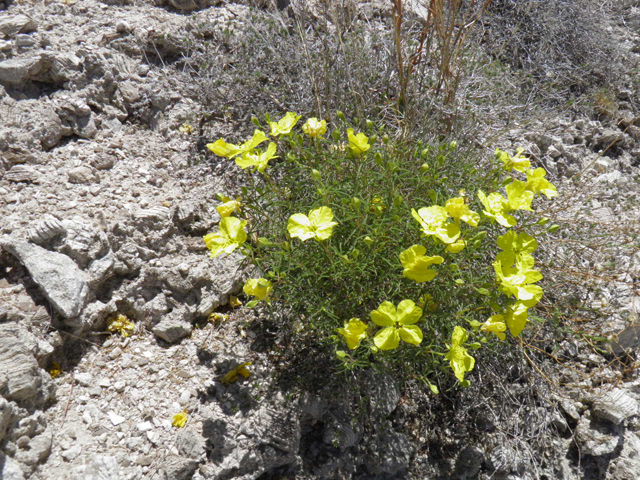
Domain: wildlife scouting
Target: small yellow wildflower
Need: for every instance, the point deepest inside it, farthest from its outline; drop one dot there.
(258, 287)
(458, 209)
(257, 159)
(537, 183)
(180, 419)
(518, 162)
(232, 375)
(230, 236)
(284, 125)
(459, 359)
(120, 323)
(228, 206)
(495, 324)
(186, 128)
(353, 332)
(234, 302)
(55, 369)
(358, 144)
(315, 128)
(497, 207)
(433, 221)
(319, 224)
(229, 150)
(398, 323)
(517, 317)
(416, 264)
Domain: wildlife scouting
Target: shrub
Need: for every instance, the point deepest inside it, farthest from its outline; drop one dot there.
(391, 253)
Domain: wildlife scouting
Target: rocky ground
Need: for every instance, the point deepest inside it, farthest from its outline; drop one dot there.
(102, 212)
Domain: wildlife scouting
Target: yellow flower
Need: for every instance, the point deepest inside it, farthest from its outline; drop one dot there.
(319, 224)
(495, 324)
(358, 144)
(258, 287)
(257, 159)
(459, 360)
(518, 163)
(458, 209)
(229, 150)
(433, 221)
(54, 370)
(497, 207)
(234, 302)
(180, 419)
(517, 317)
(353, 332)
(230, 236)
(518, 196)
(186, 128)
(416, 264)
(398, 323)
(120, 323)
(538, 184)
(228, 207)
(232, 375)
(315, 128)
(517, 248)
(519, 281)
(284, 125)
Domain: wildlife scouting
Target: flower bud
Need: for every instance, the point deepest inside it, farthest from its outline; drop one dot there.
(370, 124)
(424, 167)
(368, 241)
(315, 175)
(340, 115)
(356, 203)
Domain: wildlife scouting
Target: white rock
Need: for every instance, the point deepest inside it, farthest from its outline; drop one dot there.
(115, 418)
(104, 382)
(86, 418)
(144, 426)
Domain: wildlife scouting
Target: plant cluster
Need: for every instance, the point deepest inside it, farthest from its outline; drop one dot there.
(379, 246)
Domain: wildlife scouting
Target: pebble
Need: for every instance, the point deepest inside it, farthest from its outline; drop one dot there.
(84, 378)
(104, 382)
(72, 453)
(115, 418)
(144, 426)
(144, 460)
(86, 418)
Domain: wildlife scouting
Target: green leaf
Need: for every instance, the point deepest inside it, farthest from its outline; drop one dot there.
(482, 291)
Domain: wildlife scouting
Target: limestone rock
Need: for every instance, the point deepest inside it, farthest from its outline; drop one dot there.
(60, 279)
(627, 465)
(171, 330)
(468, 462)
(102, 467)
(5, 417)
(18, 70)
(21, 379)
(13, 24)
(597, 438)
(82, 175)
(9, 468)
(38, 450)
(190, 444)
(615, 406)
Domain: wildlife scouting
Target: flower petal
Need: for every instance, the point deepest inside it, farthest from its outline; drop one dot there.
(411, 334)
(387, 339)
